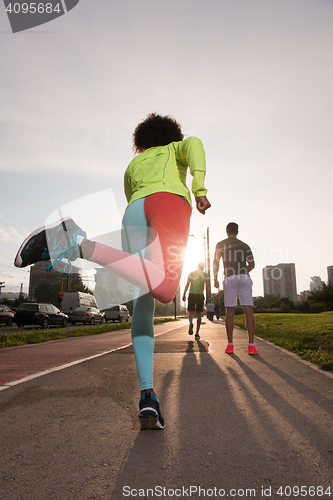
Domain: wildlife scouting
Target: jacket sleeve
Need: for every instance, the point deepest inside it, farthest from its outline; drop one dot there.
(127, 185)
(191, 152)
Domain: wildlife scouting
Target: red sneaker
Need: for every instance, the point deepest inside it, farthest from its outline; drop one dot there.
(252, 349)
(229, 349)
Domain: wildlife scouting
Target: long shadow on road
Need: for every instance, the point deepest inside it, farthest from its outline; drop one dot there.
(234, 423)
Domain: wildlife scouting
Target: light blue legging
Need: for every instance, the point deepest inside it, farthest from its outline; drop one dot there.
(143, 306)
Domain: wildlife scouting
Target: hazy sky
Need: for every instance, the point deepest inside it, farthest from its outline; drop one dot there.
(252, 78)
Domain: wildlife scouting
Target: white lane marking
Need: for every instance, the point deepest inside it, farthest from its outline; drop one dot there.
(72, 363)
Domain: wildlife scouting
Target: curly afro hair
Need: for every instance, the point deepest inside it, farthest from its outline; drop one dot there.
(156, 130)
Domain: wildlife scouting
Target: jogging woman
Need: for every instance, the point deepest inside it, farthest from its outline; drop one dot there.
(154, 236)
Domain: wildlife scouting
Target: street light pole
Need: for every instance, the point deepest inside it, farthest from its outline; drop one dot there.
(201, 233)
(206, 252)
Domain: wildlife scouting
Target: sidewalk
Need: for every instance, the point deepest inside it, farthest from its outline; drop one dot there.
(236, 425)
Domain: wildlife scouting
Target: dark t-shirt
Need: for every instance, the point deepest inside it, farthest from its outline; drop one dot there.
(235, 254)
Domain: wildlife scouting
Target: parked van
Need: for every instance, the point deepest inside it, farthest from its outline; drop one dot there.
(73, 300)
(116, 312)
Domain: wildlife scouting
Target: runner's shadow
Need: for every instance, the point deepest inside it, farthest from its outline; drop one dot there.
(302, 387)
(190, 346)
(225, 425)
(293, 411)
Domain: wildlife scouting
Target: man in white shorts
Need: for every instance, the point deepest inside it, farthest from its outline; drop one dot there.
(238, 261)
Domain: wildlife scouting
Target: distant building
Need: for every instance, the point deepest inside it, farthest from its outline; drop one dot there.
(330, 274)
(316, 283)
(111, 281)
(280, 280)
(304, 295)
(38, 274)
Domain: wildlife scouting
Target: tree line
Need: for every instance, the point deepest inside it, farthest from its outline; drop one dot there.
(318, 301)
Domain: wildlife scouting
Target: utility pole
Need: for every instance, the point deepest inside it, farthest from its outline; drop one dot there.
(1, 286)
(175, 302)
(208, 261)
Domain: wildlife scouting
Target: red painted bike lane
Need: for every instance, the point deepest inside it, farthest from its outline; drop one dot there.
(19, 362)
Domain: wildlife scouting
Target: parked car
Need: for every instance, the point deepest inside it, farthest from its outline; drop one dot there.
(86, 315)
(43, 315)
(6, 315)
(118, 312)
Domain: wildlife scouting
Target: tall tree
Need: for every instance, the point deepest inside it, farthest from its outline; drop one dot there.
(47, 292)
(323, 296)
(104, 296)
(267, 301)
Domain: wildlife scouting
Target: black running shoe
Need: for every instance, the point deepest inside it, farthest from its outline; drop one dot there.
(190, 329)
(197, 336)
(149, 415)
(54, 242)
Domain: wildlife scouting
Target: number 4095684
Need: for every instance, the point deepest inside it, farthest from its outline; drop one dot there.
(33, 8)
(304, 491)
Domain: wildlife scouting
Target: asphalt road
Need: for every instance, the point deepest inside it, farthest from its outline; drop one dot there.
(236, 426)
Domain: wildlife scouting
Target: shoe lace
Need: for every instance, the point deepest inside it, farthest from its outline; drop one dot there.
(66, 253)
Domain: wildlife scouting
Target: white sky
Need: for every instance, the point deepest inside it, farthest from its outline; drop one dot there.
(252, 78)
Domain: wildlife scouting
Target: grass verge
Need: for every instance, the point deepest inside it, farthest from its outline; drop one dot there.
(308, 335)
(24, 337)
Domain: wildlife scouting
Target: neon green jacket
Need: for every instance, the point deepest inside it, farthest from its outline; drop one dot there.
(164, 168)
(198, 281)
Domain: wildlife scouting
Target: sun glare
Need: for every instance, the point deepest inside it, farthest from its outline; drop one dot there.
(195, 253)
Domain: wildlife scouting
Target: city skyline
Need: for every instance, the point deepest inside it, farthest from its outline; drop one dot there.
(272, 275)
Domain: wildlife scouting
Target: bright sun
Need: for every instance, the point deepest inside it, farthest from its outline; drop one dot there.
(195, 253)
